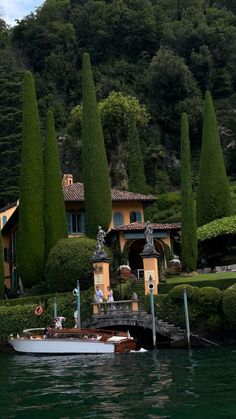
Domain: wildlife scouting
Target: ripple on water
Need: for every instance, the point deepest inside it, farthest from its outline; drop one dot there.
(163, 384)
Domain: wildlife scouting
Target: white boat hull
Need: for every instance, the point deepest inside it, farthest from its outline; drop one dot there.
(61, 346)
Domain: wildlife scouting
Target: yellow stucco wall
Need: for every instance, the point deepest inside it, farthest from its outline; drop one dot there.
(6, 213)
(126, 208)
(123, 206)
(166, 240)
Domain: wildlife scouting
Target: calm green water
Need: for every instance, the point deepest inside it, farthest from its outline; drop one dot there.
(163, 384)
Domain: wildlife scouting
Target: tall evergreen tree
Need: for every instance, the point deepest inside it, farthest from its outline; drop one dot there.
(10, 125)
(188, 210)
(30, 243)
(2, 278)
(54, 207)
(95, 167)
(213, 196)
(137, 180)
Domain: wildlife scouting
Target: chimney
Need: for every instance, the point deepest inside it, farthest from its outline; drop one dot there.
(67, 180)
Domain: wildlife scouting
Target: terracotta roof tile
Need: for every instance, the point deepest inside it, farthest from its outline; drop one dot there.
(141, 226)
(75, 192)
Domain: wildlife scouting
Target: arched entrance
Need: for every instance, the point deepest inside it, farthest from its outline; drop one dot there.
(135, 248)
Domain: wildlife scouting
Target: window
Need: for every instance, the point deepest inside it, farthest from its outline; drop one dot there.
(135, 216)
(76, 222)
(4, 220)
(118, 219)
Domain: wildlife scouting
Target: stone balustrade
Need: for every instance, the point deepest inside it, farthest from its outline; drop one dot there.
(115, 307)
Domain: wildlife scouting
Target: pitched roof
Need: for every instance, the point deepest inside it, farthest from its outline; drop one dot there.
(142, 226)
(75, 192)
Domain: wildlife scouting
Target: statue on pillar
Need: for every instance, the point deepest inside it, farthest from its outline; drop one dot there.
(149, 247)
(99, 248)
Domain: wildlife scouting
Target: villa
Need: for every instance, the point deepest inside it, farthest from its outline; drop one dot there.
(126, 227)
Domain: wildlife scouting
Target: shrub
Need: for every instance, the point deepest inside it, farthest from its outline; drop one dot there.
(166, 208)
(177, 293)
(210, 299)
(214, 323)
(71, 260)
(229, 305)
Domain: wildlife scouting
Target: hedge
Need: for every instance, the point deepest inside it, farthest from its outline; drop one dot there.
(218, 283)
(229, 305)
(13, 319)
(206, 310)
(210, 298)
(32, 299)
(226, 225)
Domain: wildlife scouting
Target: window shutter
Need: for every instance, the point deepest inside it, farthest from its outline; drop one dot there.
(69, 222)
(83, 222)
(138, 217)
(118, 219)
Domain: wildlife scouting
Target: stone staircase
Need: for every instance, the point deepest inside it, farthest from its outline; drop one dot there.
(142, 319)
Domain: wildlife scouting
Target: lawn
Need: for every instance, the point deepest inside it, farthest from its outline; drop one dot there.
(201, 277)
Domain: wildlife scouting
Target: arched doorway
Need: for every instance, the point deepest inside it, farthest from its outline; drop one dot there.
(135, 248)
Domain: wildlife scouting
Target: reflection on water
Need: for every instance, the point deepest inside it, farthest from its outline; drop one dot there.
(162, 384)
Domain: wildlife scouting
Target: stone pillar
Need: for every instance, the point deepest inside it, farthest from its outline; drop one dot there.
(150, 261)
(101, 274)
(150, 265)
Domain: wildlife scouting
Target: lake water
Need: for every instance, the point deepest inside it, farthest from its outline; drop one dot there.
(160, 384)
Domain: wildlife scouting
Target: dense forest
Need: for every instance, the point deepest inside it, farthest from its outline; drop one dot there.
(158, 56)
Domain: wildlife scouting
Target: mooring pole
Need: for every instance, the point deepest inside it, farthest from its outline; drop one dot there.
(76, 293)
(55, 308)
(187, 317)
(151, 286)
(78, 306)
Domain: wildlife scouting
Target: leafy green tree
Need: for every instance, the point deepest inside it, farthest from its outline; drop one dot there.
(30, 241)
(137, 180)
(115, 112)
(54, 207)
(95, 167)
(213, 196)
(2, 277)
(172, 89)
(188, 210)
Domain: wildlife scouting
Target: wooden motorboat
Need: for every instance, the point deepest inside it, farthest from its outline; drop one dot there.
(72, 341)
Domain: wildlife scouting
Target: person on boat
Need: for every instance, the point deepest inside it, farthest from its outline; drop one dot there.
(59, 322)
(76, 318)
(99, 294)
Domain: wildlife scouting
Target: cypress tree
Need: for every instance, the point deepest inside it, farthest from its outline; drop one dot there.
(2, 277)
(10, 126)
(137, 180)
(30, 242)
(213, 196)
(189, 225)
(95, 167)
(54, 207)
